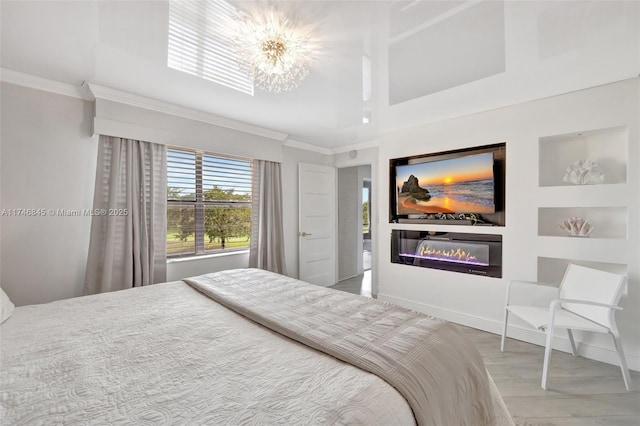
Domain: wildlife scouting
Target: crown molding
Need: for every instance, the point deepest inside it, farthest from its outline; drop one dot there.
(110, 94)
(44, 84)
(307, 147)
(90, 91)
(330, 151)
(362, 145)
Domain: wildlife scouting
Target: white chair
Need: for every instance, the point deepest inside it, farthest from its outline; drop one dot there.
(586, 300)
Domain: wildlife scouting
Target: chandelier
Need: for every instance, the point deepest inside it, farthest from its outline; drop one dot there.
(275, 51)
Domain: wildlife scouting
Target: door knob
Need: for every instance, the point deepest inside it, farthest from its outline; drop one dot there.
(303, 234)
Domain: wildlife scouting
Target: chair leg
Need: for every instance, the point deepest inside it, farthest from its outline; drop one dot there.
(504, 329)
(573, 342)
(623, 362)
(547, 357)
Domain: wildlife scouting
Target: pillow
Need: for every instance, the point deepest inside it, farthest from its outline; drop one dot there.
(6, 307)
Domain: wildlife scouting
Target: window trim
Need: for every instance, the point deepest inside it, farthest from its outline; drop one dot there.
(210, 255)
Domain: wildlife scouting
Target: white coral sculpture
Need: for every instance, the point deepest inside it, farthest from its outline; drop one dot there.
(577, 226)
(583, 172)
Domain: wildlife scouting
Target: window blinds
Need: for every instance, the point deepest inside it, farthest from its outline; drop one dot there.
(208, 202)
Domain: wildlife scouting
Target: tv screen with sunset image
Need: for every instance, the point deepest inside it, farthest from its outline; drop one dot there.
(457, 185)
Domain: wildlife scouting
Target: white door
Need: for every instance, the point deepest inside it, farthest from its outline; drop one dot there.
(316, 233)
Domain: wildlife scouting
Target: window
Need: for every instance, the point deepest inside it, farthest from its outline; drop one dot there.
(208, 203)
(200, 43)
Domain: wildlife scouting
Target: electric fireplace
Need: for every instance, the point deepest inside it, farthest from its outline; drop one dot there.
(479, 254)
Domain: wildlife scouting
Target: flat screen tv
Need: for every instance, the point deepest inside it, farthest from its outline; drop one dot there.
(463, 184)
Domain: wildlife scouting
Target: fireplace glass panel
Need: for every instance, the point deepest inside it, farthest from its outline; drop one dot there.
(479, 254)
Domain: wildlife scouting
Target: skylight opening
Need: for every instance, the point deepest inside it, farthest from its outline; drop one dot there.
(200, 43)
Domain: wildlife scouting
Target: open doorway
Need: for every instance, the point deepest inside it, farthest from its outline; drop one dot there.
(366, 224)
(354, 236)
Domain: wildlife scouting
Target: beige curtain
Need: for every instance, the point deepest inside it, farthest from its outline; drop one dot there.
(267, 236)
(128, 229)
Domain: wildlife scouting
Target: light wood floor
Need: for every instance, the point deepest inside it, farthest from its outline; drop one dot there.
(582, 392)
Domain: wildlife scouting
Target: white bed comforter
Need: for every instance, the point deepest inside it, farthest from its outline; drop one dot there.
(436, 369)
(168, 355)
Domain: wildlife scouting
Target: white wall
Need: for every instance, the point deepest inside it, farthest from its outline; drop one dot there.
(350, 238)
(183, 268)
(348, 208)
(478, 301)
(48, 162)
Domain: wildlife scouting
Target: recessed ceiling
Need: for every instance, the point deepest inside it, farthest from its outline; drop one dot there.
(429, 60)
(437, 55)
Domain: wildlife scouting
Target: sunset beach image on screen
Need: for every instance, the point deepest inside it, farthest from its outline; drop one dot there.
(456, 185)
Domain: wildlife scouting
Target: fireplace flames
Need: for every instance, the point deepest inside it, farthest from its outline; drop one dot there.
(456, 254)
(453, 255)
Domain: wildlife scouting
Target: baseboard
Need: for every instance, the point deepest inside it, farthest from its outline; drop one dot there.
(598, 353)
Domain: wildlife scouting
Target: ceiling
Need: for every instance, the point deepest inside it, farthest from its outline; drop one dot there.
(430, 60)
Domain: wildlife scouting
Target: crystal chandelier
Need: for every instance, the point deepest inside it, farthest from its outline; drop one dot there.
(275, 51)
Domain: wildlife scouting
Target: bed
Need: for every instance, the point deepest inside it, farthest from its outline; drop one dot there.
(238, 347)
